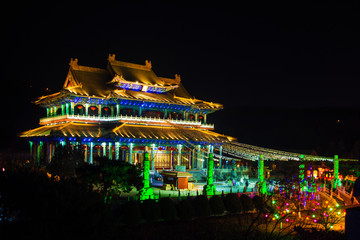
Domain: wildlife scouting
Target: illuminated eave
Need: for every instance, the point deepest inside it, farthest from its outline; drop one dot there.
(119, 81)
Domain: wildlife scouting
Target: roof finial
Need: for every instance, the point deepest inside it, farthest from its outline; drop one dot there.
(111, 57)
(148, 64)
(73, 62)
(177, 77)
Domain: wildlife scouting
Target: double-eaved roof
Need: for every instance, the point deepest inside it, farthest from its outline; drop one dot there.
(122, 80)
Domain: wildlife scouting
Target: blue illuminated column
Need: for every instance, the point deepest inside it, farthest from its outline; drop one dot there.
(110, 150)
(131, 145)
(104, 148)
(86, 109)
(117, 151)
(31, 150)
(48, 152)
(220, 155)
(199, 165)
(39, 151)
(179, 147)
(152, 156)
(91, 153)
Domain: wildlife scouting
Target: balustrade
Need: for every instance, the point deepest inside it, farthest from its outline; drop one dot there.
(124, 118)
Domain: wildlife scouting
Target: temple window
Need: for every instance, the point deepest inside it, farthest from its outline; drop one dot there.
(201, 118)
(79, 110)
(93, 111)
(129, 112)
(176, 116)
(153, 114)
(106, 112)
(191, 117)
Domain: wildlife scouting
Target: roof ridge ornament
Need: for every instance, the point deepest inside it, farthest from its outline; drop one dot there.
(111, 57)
(74, 63)
(148, 64)
(177, 77)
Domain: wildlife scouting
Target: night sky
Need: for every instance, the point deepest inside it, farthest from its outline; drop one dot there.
(263, 62)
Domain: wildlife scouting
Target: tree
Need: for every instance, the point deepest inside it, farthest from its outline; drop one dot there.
(232, 203)
(65, 161)
(118, 176)
(217, 205)
(111, 177)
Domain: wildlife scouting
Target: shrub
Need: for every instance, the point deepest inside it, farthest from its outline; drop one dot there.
(168, 210)
(201, 206)
(246, 203)
(232, 203)
(258, 202)
(185, 210)
(132, 213)
(216, 205)
(150, 210)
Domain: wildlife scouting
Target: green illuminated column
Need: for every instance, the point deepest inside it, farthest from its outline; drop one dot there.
(261, 182)
(117, 110)
(47, 112)
(210, 188)
(62, 109)
(337, 182)
(146, 192)
(67, 108)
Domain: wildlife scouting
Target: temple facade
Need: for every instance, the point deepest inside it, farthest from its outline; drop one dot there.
(123, 111)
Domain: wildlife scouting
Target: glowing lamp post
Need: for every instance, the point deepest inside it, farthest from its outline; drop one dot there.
(302, 181)
(209, 188)
(146, 192)
(261, 182)
(337, 182)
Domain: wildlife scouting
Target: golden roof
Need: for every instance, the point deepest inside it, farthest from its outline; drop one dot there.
(99, 83)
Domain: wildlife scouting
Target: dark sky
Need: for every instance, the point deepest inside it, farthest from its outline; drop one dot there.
(292, 55)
